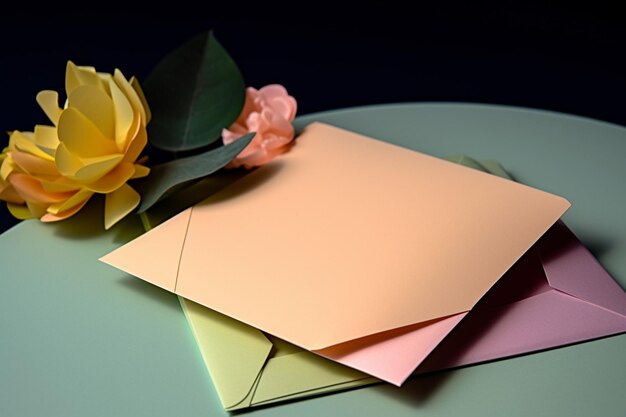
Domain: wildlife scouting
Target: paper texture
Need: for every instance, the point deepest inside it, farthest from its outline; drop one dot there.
(521, 314)
(524, 312)
(352, 248)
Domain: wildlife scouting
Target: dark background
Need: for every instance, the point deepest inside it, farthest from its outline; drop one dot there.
(563, 58)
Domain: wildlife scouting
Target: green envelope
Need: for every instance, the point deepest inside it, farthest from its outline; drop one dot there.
(250, 368)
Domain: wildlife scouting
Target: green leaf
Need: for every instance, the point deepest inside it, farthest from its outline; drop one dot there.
(193, 93)
(165, 176)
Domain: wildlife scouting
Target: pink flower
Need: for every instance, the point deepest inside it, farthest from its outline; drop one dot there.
(268, 112)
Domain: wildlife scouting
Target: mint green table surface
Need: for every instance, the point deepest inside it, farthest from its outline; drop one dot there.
(78, 338)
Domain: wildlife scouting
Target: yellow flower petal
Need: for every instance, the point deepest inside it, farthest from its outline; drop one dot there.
(92, 148)
(7, 167)
(136, 145)
(60, 185)
(96, 168)
(78, 198)
(33, 165)
(50, 217)
(118, 204)
(82, 137)
(28, 135)
(46, 139)
(131, 94)
(36, 209)
(96, 106)
(113, 180)
(124, 116)
(134, 82)
(32, 191)
(84, 169)
(20, 211)
(67, 163)
(24, 141)
(49, 102)
(140, 172)
(8, 194)
(104, 76)
(76, 76)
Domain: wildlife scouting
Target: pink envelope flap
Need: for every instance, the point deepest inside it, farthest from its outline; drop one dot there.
(568, 266)
(557, 294)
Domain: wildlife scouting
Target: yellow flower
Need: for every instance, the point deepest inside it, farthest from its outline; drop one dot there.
(91, 148)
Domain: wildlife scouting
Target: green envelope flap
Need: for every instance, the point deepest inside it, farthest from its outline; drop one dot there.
(489, 166)
(302, 372)
(233, 352)
(249, 368)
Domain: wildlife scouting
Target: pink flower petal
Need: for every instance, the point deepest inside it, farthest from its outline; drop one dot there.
(268, 112)
(272, 91)
(274, 141)
(279, 126)
(248, 106)
(235, 132)
(283, 106)
(257, 123)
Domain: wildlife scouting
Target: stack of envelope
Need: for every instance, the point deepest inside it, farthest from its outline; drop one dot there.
(350, 261)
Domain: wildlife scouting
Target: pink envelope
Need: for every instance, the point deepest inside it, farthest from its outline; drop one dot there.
(557, 294)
